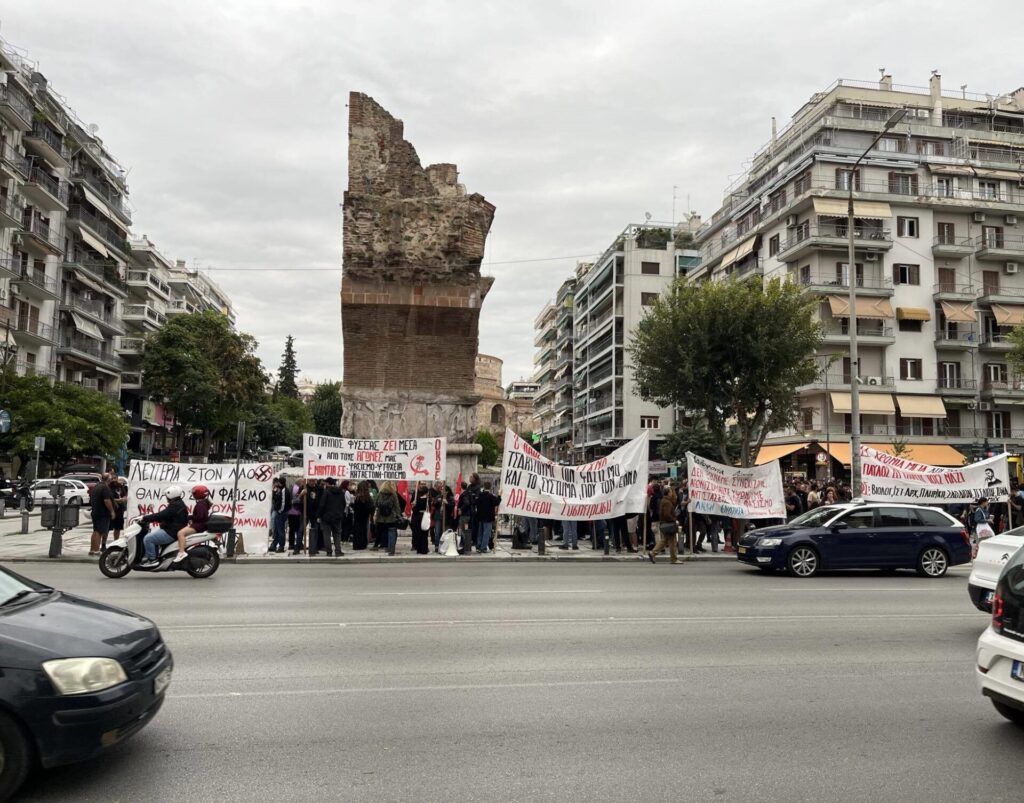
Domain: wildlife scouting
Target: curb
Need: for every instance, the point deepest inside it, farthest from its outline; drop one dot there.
(526, 558)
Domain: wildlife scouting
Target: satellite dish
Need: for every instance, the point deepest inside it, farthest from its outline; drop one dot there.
(647, 216)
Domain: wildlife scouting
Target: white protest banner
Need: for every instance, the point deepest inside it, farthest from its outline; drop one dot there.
(532, 485)
(885, 478)
(148, 480)
(394, 459)
(739, 493)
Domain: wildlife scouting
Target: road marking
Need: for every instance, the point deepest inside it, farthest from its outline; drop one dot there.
(617, 620)
(471, 593)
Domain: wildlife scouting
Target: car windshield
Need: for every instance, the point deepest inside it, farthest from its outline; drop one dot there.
(816, 517)
(1017, 531)
(13, 587)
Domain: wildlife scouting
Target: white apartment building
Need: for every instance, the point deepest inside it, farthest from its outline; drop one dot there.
(939, 237)
(552, 401)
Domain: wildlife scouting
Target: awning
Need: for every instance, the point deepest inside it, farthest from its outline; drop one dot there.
(874, 308)
(950, 170)
(91, 283)
(740, 251)
(928, 453)
(959, 312)
(94, 243)
(870, 403)
(1007, 315)
(1010, 174)
(768, 453)
(912, 314)
(87, 328)
(100, 370)
(921, 406)
(95, 200)
(839, 207)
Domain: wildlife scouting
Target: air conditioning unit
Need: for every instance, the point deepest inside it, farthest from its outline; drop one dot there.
(790, 221)
(76, 376)
(972, 405)
(15, 289)
(1011, 268)
(874, 380)
(979, 217)
(1011, 220)
(985, 407)
(871, 256)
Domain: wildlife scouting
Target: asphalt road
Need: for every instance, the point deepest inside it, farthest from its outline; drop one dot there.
(609, 681)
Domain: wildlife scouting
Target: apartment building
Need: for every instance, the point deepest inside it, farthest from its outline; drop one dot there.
(195, 291)
(939, 239)
(552, 401)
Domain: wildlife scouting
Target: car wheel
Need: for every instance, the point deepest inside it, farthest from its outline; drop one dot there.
(1015, 715)
(933, 562)
(15, 756)
(803, 561)
(114, 562)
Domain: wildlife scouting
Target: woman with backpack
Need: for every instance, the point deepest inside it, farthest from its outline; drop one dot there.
(388, 515)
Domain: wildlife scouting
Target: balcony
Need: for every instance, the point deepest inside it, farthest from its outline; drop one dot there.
(88, 350)
(1011, 387)
(838, 283)
(109, 233)
(45, 191)
(952, 247)
(999, 247)
(106, 272)
(807, 239)
(11, 213)
(838, 380)
(964, 336)
(46, 142)
(9, 268)
(869, 333)
(130, 345)
(32, 331)
(15, 108)
(950, 291)
(955, 385)
(13, 163)
(25, 368)
(112, 199)
(146, 280)
(94, 309)
(40, 238)
(1000, 294)
(996, 342)
(36, 285)
(131, 380)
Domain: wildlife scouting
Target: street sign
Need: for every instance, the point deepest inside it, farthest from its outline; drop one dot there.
(40, 443)
(5, 421)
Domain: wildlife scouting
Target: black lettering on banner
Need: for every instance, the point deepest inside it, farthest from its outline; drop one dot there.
(567, 474)
(514, 477)
(531, 482)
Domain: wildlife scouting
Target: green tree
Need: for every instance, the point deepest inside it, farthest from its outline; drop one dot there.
(205, 372)
(729, 350)
(1016, 354)
(289, 371)
(489, 456)
(74, 420)
(326, 409)
(697, 438)
(281, 421)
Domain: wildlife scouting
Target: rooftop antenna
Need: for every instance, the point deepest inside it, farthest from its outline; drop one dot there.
(881, 72)
(963, 91)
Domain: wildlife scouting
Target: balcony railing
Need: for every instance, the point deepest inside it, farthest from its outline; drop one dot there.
(956, 383)
(130, 345)
(21, 105)
(9, 156)
(1000, 290)
(32, 326)
(131, 380)
(109, 232)
(25, 368)
(44, 231)
(836, 379)
(964, 334)
(115, 200)
(864, 329)
(10, 208)
(43, 132)
(90, 306)
(1007, 384)
(953, 241)
(952, 289)
(999, 241)
(139, 277)
(92, 348)
(40, 281)
(842, 280)
(58, 189)
(106, 272)
(837, 231)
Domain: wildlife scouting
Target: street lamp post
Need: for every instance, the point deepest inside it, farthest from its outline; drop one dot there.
(851, 274)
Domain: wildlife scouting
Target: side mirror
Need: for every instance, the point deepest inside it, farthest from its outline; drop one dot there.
(840, 525)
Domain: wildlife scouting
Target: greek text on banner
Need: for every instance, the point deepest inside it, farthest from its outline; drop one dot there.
(533, 485)
(394, 459)
(886, 478)
(738, 493)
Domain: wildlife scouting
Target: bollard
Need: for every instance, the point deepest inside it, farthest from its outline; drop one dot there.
(57, 533)
(24, 516)
(3, 508)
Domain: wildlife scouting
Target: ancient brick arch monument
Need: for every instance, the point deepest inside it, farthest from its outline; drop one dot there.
(411, 290)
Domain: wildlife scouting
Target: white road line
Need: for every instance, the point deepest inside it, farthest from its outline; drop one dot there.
(471, 593)
(615, 620)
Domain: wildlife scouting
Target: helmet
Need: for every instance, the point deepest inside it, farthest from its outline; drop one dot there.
(200, 492)
(173, 492)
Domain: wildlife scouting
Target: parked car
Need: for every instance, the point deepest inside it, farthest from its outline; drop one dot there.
(76, 677)
(90, 480)
(295, 458)
(281, 452)
(860, 536)
(993, 555)
(74, 490)
(999, 659)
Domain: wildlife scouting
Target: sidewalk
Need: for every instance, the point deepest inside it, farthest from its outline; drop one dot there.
(35, 546)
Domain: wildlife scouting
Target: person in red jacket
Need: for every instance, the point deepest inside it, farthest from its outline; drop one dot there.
(197, 521)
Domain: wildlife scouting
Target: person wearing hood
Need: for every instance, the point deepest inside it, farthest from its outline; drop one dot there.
(331, 515)
(171, 519)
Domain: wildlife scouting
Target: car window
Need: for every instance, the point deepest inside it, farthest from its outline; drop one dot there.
(933, 518)
(894, 517)
(815, 517)
(859, 519)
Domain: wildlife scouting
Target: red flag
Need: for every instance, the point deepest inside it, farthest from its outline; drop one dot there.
(403, 491)
(458, 489)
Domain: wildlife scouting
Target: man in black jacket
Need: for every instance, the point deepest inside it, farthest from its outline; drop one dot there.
(171, 519)
(331, 515)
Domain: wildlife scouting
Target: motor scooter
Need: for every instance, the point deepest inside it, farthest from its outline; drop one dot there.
(127, 553)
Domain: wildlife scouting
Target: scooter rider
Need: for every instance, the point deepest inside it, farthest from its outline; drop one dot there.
(198, 520)
(172, 519)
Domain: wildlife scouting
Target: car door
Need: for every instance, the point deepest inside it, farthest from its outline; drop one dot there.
(897, 533)
(854, 544)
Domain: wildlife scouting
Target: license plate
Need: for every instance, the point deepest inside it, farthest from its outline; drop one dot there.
(988, 596)
(162, 681)
(1017, 671)
(742, 550)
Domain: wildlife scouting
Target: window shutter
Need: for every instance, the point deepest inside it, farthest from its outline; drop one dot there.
(903, 369)
(892, 181)
(895, 274)
(839, 178)
(913, 184)
(915, 274)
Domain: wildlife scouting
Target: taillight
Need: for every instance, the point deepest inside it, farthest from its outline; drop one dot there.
(997, 613)
(966, 536)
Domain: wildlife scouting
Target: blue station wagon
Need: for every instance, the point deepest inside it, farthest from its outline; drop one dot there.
(872, 535)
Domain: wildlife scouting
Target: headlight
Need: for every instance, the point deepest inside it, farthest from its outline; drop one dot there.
(769, 541)
(82, 675)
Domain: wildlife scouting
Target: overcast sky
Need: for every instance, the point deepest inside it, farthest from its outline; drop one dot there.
(573, 118)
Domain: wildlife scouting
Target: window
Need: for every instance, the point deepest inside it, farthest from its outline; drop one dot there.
(843, 178)
(646, 299)
(996, 424)
(989, 282)
(649, 422)
(910, 368)
(951, 426)
(947, 233)
(807, 418)
(843, 274)
(893, 517)
(989, 190)
(773, 245)
(803, 231)
(906, 227)
(859, 519)
(945, 186)
(906, 274)
(913, 426)
(650, 268)
(992, 236)
(949, 375)
(892, 145)
(931, 518)
(996, 373)
(802, 184)
(805, 274)
(777, 200)
(910, 326)
(903, 183)
(930, 148)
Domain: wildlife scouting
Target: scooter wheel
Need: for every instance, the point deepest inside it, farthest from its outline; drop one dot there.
(114, 562)
(202, 563)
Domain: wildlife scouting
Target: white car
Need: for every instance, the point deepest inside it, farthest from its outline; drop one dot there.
(1000, 654)
(74, 490)
(993, 555)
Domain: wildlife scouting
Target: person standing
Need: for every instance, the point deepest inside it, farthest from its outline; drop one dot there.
(362, 508)
(443, 515)
(294, 515)
(388, 514)
(465, 510)
(101, 507)
(280, 503)
(486, 506)
(331, 514)
(119, 492)
(420, 505)
(667, 528)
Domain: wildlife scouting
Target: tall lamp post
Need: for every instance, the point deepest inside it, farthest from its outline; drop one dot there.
(851, 273)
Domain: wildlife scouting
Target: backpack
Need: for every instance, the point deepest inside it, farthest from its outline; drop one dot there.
(386, 507)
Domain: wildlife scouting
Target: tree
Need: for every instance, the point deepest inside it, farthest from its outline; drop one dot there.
(489, 456)
(326, 408)
(900, 446)
(1016, 354)
(288, 372)
(205, 372)
(74, 420)
(697, 438)
(728, 350)
(281, 421)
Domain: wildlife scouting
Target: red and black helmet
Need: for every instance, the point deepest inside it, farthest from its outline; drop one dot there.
(200, 492)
